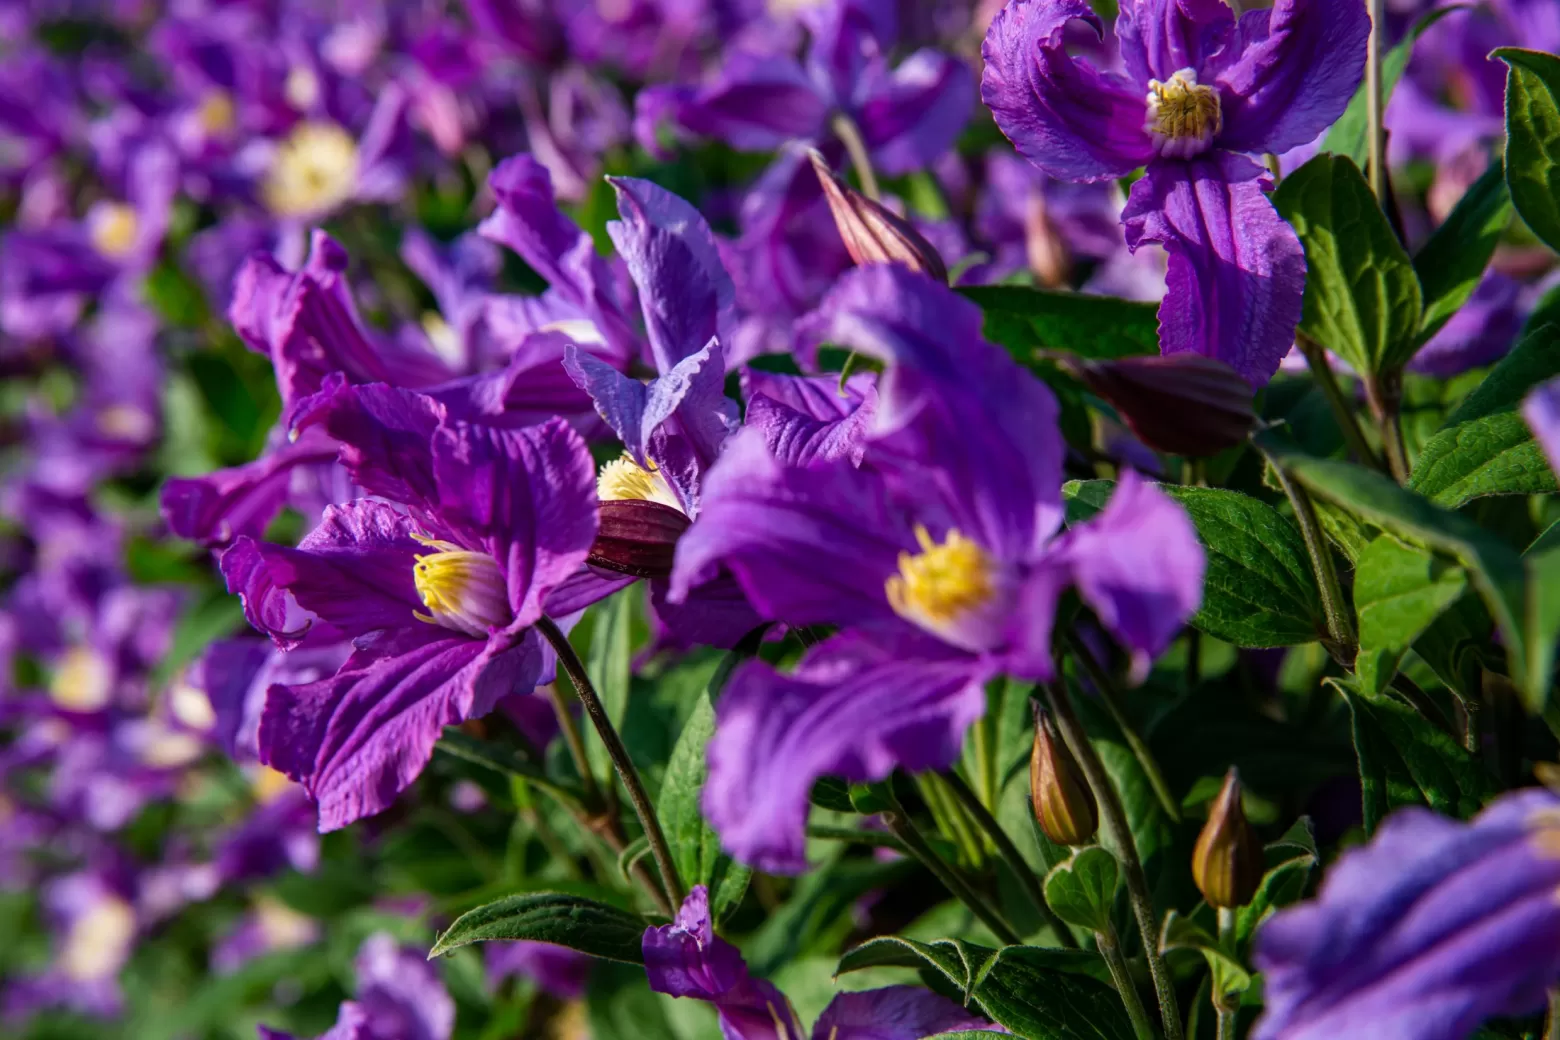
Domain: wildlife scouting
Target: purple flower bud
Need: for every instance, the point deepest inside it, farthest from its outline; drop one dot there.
(637, 537)
(873, 234)
(1227, 861)
(1063, 803)
(1183, 404)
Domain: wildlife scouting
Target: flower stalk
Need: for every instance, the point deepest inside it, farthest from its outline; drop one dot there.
(1109, 946)
(1111, 698)
(900, 826)
(1226, 1011)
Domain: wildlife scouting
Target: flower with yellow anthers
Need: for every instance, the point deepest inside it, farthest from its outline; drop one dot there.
(217, 114)
(114, 228)
(314, 171)
(270, 784)
(945, 586)
(84, 681)
(98, 940)
(624, 480)
(462, 590)
(1183, 115)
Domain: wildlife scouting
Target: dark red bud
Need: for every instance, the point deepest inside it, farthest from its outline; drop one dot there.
(873, 233)
(1182, 404)
(1227, 861)
(637, 537)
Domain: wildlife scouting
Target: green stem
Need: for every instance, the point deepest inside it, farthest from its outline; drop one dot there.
(1118, 837)
(1226, 1012)
(1112, 701)
(1552, 1018)
(1343, 412)
(619, 754)
(1376, 142)
(1009, 852)
(876, 839)
(951, 819)
(528, 814)
(899, 824)
(850, 136)
(1340, 625)
(576, 744)
(1110, 953)
(1384, 394)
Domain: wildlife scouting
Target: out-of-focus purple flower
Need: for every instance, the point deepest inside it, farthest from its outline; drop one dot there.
(938, 556)
(1198, 91)
(399, 997)
(558, 970)
(1542, 412)
(687, 959)
(269, 927)
(1427, 931)
(1480, 333)
(93, 917)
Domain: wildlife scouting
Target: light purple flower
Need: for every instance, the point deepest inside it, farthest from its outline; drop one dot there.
(1199, 90)
(399, 997)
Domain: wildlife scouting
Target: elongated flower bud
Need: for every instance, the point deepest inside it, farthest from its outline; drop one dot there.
(1063, 803)
(1183, 404)
(1227, 862)
(873, 233)
(637, 537)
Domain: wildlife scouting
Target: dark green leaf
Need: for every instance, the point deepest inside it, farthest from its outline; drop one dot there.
(1258, 590)
(573, 921)
(1026, 320)
(1533, 139)
(1485, 447)
(694, 845)
(1082, 890)
(1398, 592)
(1406, 760)
(1452, 262)
(1362, 297)
(1182, 933)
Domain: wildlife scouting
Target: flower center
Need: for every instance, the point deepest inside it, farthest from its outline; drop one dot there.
(83, 681)
(314, 171)
(624, 480)
(113, 226)
(939, 585)
(216, 114)
(269, 784)
(1183, 115)
(462, 590)
(98, 940)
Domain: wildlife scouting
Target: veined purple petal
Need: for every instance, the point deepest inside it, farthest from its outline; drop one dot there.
(1301, 63)
(401, 992)
(1425, 932)
(755, 104)
(1237, 270)
(848, 711)
(1065, 116)
(526, 496)
(926, 104)
(619, 399)
(687, 419)
(1158, 38)
(384, 434)
(807, 420)
(1542, 412)
(359, 738)
(229, 503)
(893, 1013)
(715, 613)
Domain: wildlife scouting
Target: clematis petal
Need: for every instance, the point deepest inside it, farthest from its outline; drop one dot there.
(1159, 38)
(849, 711)
(402, 991)
(383, 434)
(526, 496)
(359, 738)
(893, 1013)
(1237, 270)
(218, 507)
(926, 103)
(1068, 118)
(1301, 63)
(806, 420)
(684, 290)
(715, 613)
(755, 103)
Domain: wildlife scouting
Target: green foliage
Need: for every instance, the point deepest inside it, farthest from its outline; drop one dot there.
(695, 846)
(555, 917)
(1029, 320)
(1398, 593)
(1533, 139)
(1082, 891)
(1451, 263)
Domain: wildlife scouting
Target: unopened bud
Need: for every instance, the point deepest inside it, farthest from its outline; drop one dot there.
(1063, 803)
(873, 233)
(1048, 255)
(637, 537)
(1227, 862)
(1182, 404)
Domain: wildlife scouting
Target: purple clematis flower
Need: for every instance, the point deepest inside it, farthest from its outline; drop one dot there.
(1541, 409)
(399, 997)
(687, 959)
(1424, 933)
(557, 970)
(938, 556)
(1200, 90)
(438, 601)
(94, 917)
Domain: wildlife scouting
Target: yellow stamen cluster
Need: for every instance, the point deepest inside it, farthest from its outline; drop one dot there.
(83, 681)
(217, 114)
(98, 940)
(944, 581)
(114, 227)
(624, 480)
(314, 171)
(462, 590)
(1183, 115)
(269, 784)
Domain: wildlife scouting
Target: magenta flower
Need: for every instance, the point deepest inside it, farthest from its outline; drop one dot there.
(1200, 91)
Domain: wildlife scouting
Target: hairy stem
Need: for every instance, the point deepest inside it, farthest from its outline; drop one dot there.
(619, 754)
(1376, 142)
(1111, 698)
(1343, 413)
(1384, 394)
(1118, 837)
(1342, 640)
(1226, 1011)
(1110, 953)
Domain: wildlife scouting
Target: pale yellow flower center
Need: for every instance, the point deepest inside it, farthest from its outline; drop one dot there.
(269, 784)
(313, 172)
(98, 940)
(216, 114)
(943, 582)
(126, 422)
(1183, 115)
(624, 480)
(83, 681)
(462, 590)
(282, 927)
(301, 87)
(113, 226)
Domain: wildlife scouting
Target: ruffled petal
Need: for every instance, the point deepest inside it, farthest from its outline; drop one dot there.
(1159, 38)
(1065, 116)
(848, 711)
(809, 420)
(925, 106)
(893, 1013)
(384, 435)
(1237, 270)
(229, 503)
(1295, 76)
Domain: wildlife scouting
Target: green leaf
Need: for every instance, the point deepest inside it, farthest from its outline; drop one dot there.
(1533, 139)
(1082, 890)
(1348, 134)
(554, 917)
(1362, 297)
(1406, 760)
(694, 845)
(1258, 590)
(619, 1002)
(608, 664)
(1398, 592)
(1037, 992)
(1485, 447)
(1026, 320)
(1182, 933)
(1283, 883)
(1452, 262)
(1497, 571)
